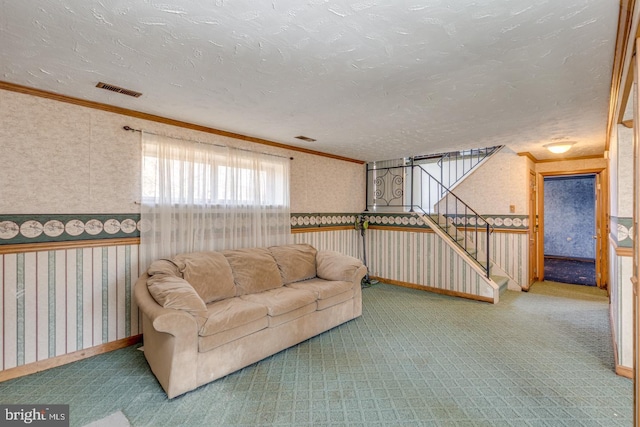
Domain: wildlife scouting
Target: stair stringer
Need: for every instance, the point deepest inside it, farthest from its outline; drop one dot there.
(496, 269)
(493, 290)
(512, 285)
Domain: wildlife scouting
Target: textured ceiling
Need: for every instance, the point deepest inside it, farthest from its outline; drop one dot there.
(369, 79)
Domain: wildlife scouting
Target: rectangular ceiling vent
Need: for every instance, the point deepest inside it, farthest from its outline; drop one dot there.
(305, 138)
(117, 89)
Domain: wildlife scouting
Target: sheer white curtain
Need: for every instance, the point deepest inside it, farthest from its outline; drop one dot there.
(198, 196)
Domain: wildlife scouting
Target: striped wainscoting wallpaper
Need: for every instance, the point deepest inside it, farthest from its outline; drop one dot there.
(510, 251)
(348, 242)
(60, 301)
(423, 259)
(400, 255)
(621, 295)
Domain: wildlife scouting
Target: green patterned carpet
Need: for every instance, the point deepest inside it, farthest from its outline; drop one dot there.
(542, 358)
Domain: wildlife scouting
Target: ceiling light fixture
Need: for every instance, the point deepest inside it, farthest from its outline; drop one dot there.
(559, 147)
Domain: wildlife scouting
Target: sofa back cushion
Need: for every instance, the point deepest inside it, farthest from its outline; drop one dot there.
(254, 270)
(164, 266)
(209, 273)
(296, 262)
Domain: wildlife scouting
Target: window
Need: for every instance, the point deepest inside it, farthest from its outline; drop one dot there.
(199, 196)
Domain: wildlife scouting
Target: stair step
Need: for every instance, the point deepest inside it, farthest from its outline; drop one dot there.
(503, 283)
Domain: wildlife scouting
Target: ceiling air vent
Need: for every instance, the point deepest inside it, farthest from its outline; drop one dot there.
(305, 138)
(117, 89)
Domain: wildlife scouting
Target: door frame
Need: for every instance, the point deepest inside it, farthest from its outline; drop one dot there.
(534, 267)
(635, 278)
(602, 219)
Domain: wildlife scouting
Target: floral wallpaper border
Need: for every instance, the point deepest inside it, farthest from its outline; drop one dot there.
(316, 220)
(44, 228)
(501, 222)
(408, 220)
(622, 231)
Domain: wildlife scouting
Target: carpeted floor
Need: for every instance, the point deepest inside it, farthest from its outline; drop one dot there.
(578, 272)
(542, 358)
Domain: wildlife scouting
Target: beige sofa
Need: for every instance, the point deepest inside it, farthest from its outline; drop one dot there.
(207, 314)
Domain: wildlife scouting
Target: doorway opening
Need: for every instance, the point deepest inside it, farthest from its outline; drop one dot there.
(570, 234)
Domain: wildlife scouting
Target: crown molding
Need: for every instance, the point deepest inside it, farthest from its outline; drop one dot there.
(563, 159)
(621, 84)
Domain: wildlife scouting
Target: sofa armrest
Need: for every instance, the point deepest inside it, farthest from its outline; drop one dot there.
(170, 342)
(331, 265)
(168, 320)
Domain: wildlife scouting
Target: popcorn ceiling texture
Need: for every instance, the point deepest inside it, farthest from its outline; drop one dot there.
(62, 158)
(372, 79)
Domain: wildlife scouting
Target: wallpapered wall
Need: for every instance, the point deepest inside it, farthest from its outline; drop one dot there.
(504, 180)
(62, 301)
(63, 158)
(621, 291)
(620, 243)
(400, 247)
(69, 163)
(72, 173)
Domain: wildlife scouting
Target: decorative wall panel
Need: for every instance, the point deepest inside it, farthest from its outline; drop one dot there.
(58, 302)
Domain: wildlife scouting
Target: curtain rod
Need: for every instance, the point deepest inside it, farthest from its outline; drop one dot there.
(129, 128)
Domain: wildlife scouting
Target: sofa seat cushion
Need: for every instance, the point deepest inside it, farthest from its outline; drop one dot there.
(281, 300)
(292, 315)
(229, 314)
(209, 273)
(323, 289)
(296, 262)
(216, 340)
(335, 300)
(254, 270)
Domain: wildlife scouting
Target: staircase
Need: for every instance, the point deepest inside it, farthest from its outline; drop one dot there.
(453, 167)
(472, 249)
(409, 186)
